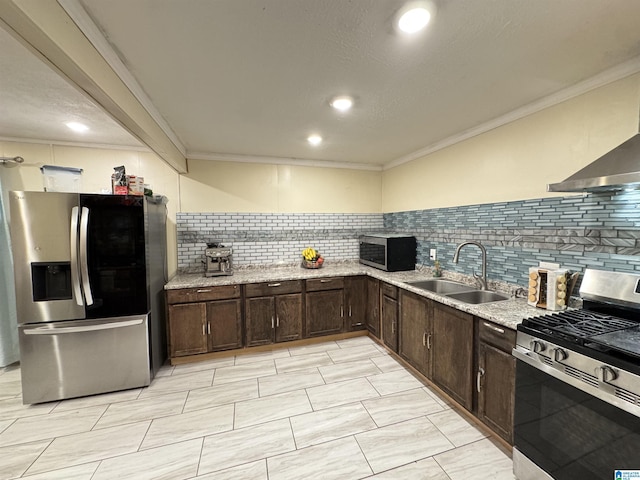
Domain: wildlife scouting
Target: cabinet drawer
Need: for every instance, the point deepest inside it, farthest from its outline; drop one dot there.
(497, 335)
(273, 288)
(389, 290)
(203, 294)
(329, 283)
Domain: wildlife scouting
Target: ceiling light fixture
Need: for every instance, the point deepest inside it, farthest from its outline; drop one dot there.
(342, 103)
(77, 127)
(314, 140)
(414, 18)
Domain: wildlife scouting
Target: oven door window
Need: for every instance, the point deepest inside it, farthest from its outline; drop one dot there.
(569, 433)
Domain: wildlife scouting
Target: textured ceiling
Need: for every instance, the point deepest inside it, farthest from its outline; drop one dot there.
(36, 102)
(253, 78)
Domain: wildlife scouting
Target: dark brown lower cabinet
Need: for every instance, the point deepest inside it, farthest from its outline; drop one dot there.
(415, 331)
(187, 329)
(224, 325)
(273, 319)
(202, 320)
(324, 306)
(325, 313)
(273, 312)
(389, 316)
(373, 307)
(495, 378)
(452, 346)
(355, 301)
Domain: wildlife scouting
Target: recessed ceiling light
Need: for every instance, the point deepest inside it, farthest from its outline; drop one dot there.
(414, 20)
(77, 127)
(314, 140)
(342, 103)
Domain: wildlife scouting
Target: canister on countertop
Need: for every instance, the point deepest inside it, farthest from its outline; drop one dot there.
(548, 286)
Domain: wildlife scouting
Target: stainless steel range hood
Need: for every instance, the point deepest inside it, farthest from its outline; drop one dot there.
(617, 170)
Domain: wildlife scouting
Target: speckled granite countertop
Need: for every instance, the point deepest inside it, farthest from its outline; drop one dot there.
(508, 313)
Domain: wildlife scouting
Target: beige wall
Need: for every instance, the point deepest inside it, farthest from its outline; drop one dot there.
(264, 188)
(209, 186)
(98, 166)
(518, 160)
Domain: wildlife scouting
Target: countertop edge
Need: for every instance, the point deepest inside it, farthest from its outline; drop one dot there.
(508, 313)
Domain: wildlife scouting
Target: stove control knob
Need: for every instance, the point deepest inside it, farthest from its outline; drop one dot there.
(559, 354)
(537, 346)
(606, 373)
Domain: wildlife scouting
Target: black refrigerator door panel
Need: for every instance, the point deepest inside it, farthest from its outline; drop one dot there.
(116, 255)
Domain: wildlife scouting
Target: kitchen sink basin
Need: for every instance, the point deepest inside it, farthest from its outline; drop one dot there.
(478, 296)
(442, 287)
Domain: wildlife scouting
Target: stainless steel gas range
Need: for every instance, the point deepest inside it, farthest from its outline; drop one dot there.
(577, 407)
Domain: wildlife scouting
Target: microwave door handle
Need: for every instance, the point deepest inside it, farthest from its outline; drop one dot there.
(75, 280)
(84, 264)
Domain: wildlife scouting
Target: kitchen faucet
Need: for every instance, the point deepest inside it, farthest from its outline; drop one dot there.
(481, 279)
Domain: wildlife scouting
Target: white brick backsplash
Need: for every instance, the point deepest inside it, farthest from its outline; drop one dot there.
(280, 238)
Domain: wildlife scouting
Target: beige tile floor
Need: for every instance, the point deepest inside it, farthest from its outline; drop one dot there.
(336, 410)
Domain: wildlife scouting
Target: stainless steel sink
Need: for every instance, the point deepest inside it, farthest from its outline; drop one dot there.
(440, 286)
(478, 296)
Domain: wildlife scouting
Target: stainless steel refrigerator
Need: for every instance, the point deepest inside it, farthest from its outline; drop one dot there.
(89, 273)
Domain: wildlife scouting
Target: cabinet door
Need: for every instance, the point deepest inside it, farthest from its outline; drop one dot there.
(261, 320)
(324, 313)
(224, 324)
(390, 322)
(288, 317)
(373, 306)
(453, 353)
(355, 293)
(496, 389)
(414, 331)
(187, 329)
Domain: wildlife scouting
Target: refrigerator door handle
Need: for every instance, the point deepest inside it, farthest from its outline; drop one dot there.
(84, 264)
(79, 329)
(75, 280)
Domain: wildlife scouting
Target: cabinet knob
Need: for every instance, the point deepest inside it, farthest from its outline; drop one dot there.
(209, 328)
(272, 322)
(206, 290)
(277, 320)
(273, 284)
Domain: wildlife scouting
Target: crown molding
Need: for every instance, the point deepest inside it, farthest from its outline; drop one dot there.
(606, 77)
(224, 157)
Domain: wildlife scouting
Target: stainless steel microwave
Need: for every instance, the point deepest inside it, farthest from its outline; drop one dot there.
(390, 252)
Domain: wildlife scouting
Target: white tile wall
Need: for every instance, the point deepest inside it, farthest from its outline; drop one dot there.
(271, 238)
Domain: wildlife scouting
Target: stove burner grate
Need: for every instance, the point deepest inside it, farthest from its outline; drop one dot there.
(579, 324)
